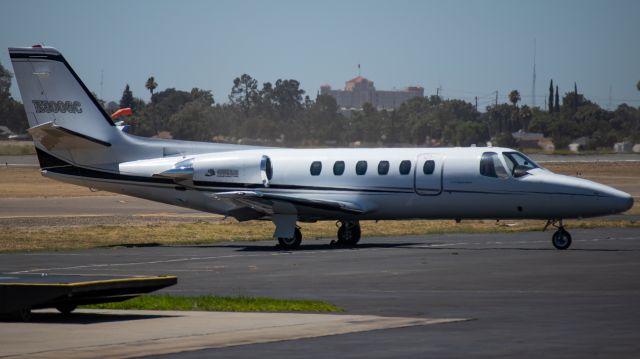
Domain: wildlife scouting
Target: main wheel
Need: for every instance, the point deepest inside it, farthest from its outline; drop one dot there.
(561, 239)
(291, 243)
(24, 314)
(66, 309)
(349, 233)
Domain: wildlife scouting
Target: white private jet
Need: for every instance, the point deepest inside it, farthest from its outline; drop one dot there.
(77, 142)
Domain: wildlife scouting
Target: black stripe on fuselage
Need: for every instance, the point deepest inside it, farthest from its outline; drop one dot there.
(60, 58)
(299, 187)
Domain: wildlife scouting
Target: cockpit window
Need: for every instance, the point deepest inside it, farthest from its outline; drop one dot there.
(491, 166)
(514, 159)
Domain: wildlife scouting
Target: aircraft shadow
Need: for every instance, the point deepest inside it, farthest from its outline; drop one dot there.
(132, 245)
(302, 248)
(79, 318)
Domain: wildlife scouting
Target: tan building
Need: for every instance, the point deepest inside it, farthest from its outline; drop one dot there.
(359, 90)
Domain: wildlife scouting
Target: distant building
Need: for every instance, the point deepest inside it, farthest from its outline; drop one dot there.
(622, 147)
(533, 140)
(360, 90)
(527, 139)
(579, 144)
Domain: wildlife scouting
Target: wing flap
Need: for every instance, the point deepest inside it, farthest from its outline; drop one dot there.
(265, 202)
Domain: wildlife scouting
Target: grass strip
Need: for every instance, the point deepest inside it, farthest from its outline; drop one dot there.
(220, 304)
(17, 148)
(14, 239)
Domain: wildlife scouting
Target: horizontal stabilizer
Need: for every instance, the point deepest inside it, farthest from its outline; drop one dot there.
(51, 136)
(266, 201)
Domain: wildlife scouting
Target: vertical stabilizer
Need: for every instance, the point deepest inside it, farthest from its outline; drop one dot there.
(53, 94)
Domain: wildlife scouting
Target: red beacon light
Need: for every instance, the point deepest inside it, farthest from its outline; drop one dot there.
(36, 46)
(123, 111)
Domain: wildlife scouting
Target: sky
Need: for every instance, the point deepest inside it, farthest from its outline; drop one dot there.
(465, 48)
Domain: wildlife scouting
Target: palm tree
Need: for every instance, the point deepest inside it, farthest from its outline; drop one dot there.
(151, 85)
(514, 97)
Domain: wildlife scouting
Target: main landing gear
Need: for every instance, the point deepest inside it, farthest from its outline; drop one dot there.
(561, 239)
(348, 233)
(348, 236)
(291, 243)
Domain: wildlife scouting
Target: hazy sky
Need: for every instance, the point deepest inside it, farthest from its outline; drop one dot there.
(468, 48)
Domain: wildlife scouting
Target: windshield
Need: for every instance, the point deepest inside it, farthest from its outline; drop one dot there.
(514, 159)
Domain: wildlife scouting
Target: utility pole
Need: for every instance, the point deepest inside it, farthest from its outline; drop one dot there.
(101, 83)
(496, 97)
(533, 89)
(476, 103)
(610, 105)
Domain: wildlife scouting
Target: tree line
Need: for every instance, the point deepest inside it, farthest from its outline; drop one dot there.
(282, 113)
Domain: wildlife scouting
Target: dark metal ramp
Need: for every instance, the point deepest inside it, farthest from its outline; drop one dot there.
(19, 293)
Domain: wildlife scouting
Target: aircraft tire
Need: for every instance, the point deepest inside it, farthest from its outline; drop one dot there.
(349, 237)
(66, 309)
(24, 314)
(561, 239)
(291, 243)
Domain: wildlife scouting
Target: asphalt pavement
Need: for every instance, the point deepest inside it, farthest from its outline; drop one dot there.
(525, 299)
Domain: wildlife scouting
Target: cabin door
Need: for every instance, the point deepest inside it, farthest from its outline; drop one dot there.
(428, 174)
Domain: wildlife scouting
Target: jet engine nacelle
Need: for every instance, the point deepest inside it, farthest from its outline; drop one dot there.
(248, 169)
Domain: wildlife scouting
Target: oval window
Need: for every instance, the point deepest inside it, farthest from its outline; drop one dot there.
(361, 168)
(316, 168)
(338, 168)
(405, 167)
(429, 167)
(383, 168)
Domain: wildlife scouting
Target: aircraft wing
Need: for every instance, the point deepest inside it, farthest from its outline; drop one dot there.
(266, 202)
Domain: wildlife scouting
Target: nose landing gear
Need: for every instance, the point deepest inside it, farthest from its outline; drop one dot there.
(561, 238)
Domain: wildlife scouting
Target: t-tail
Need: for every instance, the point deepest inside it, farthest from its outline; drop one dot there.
(68, 125)
(65, 119)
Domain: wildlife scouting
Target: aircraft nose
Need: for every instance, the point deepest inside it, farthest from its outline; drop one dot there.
(627, 203)
(619, 201)
(610, 200)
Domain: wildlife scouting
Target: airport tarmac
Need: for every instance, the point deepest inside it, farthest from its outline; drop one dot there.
(525, 298)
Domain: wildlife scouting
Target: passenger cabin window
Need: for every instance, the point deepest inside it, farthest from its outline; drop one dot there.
(338, 168)
(429, 167)
(405, 167)
(316, 168)
(491, 166)
(361, 168)
(383, 168)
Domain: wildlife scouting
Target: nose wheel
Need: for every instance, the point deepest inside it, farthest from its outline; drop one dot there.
(561, 238)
